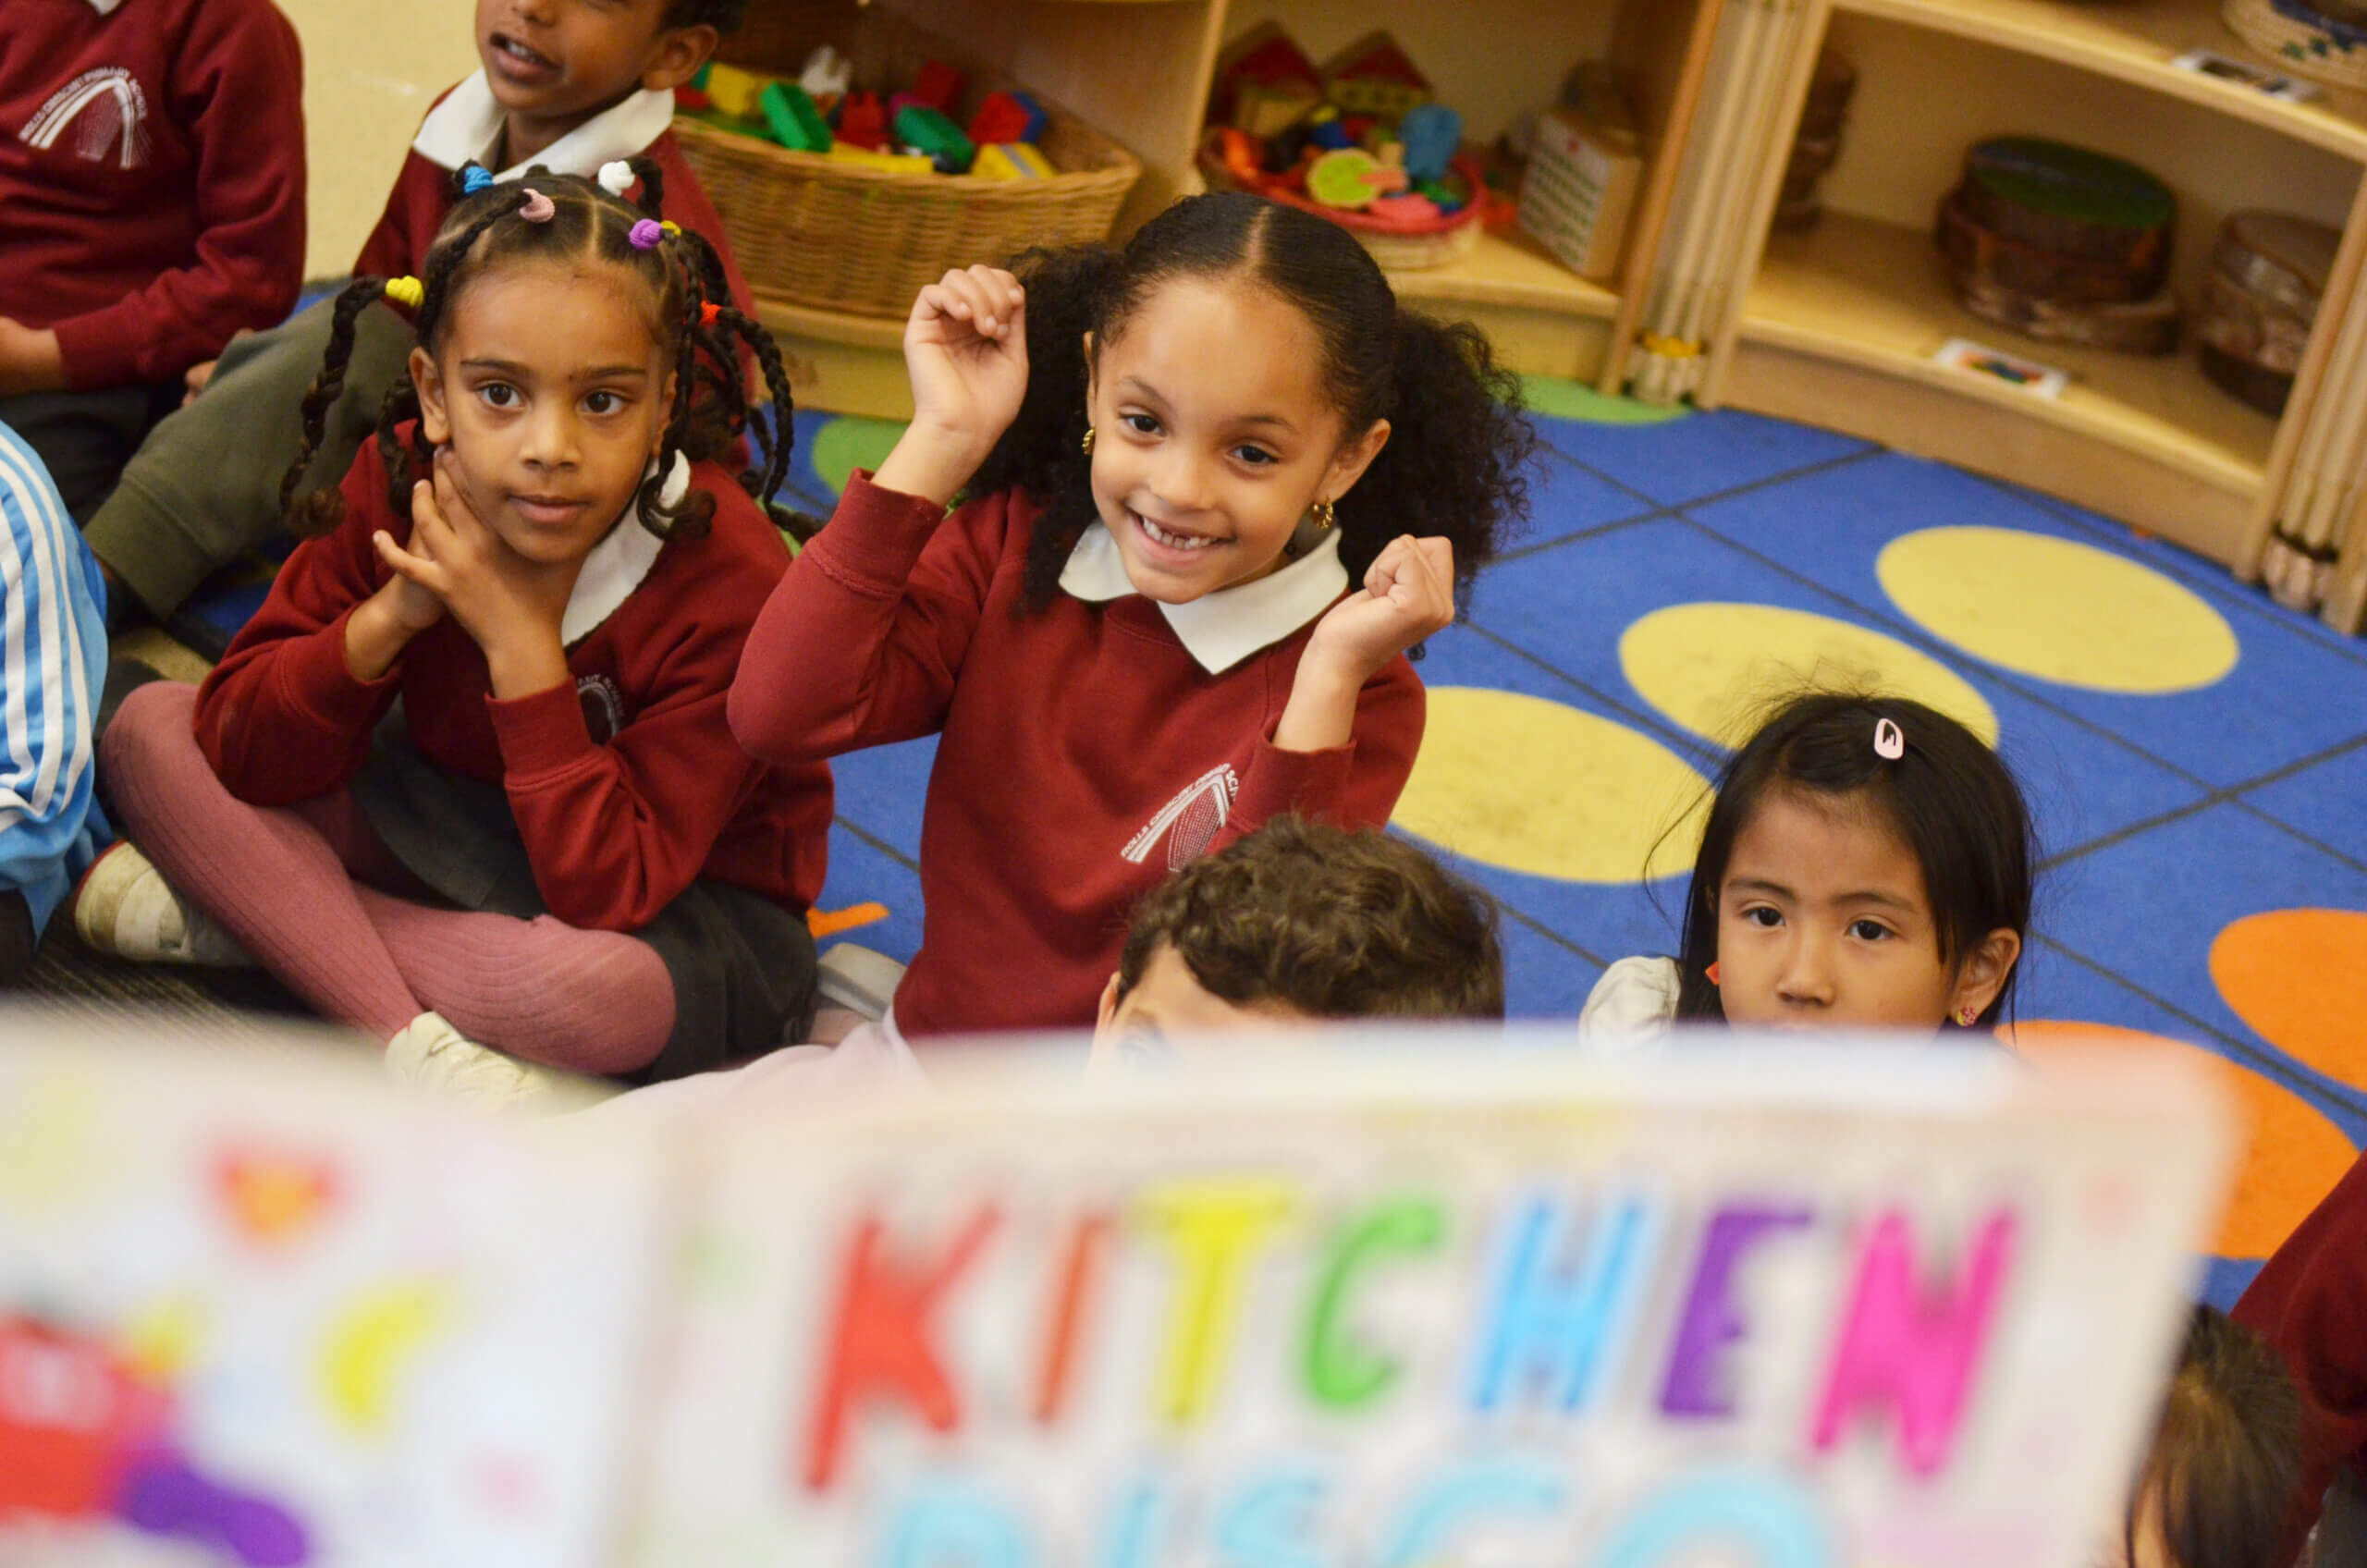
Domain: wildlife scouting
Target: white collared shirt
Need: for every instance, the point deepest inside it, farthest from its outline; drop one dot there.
(468, 125)
(1219, 630)
(617, 563)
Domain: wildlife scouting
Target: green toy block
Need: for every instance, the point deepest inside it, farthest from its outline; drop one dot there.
(922, 128)
(796, 123)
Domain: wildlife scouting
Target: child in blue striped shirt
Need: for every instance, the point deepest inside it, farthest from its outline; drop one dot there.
(53, 660)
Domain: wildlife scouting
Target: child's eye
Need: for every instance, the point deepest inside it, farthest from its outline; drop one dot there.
(1140, 424)
(1869, 930)
(603, 403)
(1764, 915)
(499, 395)
(1256, 456)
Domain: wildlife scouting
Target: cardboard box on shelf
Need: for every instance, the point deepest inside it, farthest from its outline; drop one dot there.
(1581, 184)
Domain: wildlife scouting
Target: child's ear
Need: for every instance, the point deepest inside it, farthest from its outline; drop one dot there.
(1349, 463)
(677, 56)
(1092, 375)
(435, 418)
(1985, 971)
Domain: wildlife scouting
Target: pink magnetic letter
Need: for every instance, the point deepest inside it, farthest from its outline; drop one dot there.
(1914, 1350)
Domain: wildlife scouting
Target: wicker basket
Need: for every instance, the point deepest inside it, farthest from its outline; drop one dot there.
(810, 230)
(2328, 44)
(1397, 246)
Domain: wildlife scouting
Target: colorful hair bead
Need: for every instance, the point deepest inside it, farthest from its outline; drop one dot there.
(646, 235)
(475, 177)
(672, 227)
(537, 207)
(615, 178)
(408, 291)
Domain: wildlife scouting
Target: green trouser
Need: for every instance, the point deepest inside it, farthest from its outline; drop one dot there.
(204, 489)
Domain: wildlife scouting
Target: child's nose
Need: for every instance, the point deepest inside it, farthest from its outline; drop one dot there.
(1806, 975)
(1183, 482)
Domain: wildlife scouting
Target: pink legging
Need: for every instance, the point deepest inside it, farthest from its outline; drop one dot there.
(316, 899)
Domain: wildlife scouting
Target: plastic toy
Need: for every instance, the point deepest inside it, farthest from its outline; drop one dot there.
(1008, 116)
(1264, 83)
(1011, 160)
(1349, 179)
(1406, 208)
(1375, 75)
(1432, 133)
(862, 121)
(733, 91)
(1238, 151)
(827, 72)
(796, 124)
(939, 86)
(691, 98)
(927, 130)
(887, 163)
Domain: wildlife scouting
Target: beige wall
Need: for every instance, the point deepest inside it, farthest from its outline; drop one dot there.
(370, 69)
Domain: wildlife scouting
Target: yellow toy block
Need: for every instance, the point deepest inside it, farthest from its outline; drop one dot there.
(735, 92)
(1011, 160)
(888, 163)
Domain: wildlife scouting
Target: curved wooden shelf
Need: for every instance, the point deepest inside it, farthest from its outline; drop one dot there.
(1840, 326)
(2135, 40)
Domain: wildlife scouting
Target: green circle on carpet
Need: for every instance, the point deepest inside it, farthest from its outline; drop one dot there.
(849, 443)
(1557, 398)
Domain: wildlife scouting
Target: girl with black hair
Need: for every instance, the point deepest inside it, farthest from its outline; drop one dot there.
(1218, 484)
(1866, 864)
(552, 845)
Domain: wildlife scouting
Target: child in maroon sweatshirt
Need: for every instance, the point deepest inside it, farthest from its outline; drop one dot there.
(152, 203)
(569, 85)
(1178, 600)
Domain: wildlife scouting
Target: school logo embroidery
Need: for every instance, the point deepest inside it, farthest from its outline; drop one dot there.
(107, 109)
(1190, 821)
(603, 707)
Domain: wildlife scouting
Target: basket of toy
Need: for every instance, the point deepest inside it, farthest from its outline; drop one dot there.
(1419, 234)
(861, 228)
(2325, 39)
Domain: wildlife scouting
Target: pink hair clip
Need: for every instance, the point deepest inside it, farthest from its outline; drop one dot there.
(646, 234)
(537, 207)
(1890, 740)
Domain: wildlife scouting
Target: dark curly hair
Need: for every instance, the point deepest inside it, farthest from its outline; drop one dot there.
(1455, 464)
(1332, 923)
(685, 278)
(724, 16)
(1948, 796)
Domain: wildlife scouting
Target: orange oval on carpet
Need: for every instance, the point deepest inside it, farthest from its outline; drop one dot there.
(2293, 1155)
(2299, 977)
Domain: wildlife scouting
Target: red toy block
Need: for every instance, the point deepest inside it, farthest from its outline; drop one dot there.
(689, 97)
(939, 86)
(863, 121)
(1006, 118)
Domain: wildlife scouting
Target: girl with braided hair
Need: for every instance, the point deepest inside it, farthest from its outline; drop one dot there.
(465, 782)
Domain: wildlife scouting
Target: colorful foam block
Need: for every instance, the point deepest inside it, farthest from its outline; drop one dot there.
(689, 97)
(887, 163)
(939, 86)
(1431, 133)
(1008, 116)
(928, 130)
(1011, 160)
(862, 121)
(733, 91)
(796, 124)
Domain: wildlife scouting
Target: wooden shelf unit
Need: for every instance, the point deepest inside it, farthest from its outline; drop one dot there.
(1141, 70)
(1837, 327)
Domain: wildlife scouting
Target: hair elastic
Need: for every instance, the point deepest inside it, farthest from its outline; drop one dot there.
(708, 312)
(537, 207)
(475, 177)
(646, 235)
(1890, 740)
(670, 226)
(407, 291)
(615, 178)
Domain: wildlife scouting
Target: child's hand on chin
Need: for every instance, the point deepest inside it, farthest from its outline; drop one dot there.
(510, 606)
(1408, 595)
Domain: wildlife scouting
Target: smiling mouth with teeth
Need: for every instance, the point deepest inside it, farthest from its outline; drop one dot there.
(518, 51)
(1159, 535)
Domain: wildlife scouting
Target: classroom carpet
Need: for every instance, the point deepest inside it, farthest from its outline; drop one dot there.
(2195, 755)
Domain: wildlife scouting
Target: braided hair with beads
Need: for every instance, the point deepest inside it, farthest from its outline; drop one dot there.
(547, 216)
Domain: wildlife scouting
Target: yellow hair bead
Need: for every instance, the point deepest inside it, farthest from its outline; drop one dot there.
(670, 226)
(406, 291)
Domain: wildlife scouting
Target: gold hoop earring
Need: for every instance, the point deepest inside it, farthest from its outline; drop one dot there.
(1088, 440)
(1324, 514)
